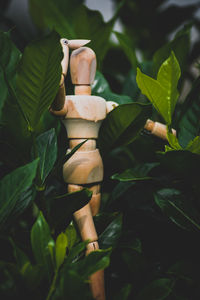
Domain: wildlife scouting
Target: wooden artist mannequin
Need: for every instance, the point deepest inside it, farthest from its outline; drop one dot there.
(82, 115)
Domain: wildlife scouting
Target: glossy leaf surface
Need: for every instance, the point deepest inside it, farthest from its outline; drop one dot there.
(177, 208)
(62, 207)
(9, 58)
(38, 81)
(122, 125)
(162, 92)
(58, 15)
(12, 187)
(110, 236)
(42, 245)
(46, 150)
(140, 172)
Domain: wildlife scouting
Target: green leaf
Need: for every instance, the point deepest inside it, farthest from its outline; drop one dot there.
(173, 141)
(128, 47)
(42, 245)
(9, 59)
(124, 292)
(12, 187)
(162, 92)
(72, 285)
(110, 236)
(96, 260)
(46, 150)
(159, 289)
(71, 235)
(73, 254)
(139, 172)
(188, 122)
(38, 77)
(194, 145)
(58, 15)
(61, 246)
(62, 207)
(180, 45)
(122, 125)
(177, 208)
(101, 88)
(182, 164)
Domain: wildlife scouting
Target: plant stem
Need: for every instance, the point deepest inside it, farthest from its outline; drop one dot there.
(53, 285)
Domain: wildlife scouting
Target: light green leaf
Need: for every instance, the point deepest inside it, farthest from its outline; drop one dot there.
(46, 150)
(173, 141)
(122, 125)
(42, 245)
(12, 187)
(194, 145)
(162, 92)
(38, 77)
(61, 246)
(71, 235)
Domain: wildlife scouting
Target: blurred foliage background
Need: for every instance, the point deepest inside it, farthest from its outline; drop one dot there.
(150, 205)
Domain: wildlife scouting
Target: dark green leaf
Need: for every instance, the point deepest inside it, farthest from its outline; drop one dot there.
(46, 150)
(43, 245)
(140, 172)
(177, 208)
(128, 47)
(180, 45)
(73, 254)
(58, 15)
(101, 88)
(38, 77)
(124, 292)
(122, 125)
(72, 285)
(182, 164)
(111, 234)
(189, 119)
(63, 207)
(159, 289)
(20, 256)
(96, 260)
(12, 187)
(9, 58)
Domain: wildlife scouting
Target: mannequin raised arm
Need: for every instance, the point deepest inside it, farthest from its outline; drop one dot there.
(58, 107)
